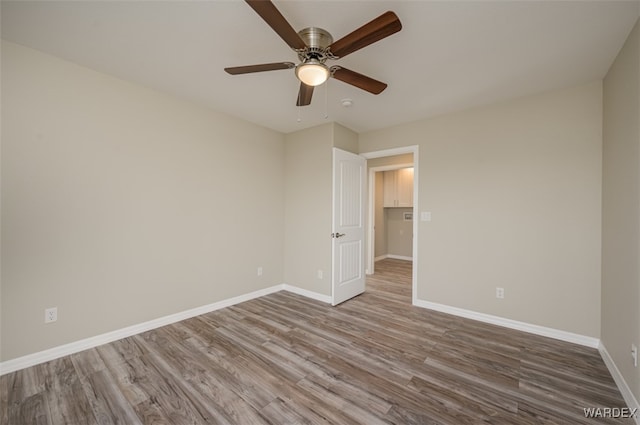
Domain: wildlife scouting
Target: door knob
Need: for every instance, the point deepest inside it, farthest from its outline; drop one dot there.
(337, 235)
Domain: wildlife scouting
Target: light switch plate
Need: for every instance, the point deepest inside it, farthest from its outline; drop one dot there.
(425, 216)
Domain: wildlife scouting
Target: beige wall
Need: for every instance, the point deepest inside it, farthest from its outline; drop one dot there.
(308, 165)
(515, 191)
(344, 138)
(621, 210)
(121, 204)
(399, 238)
(308, 206)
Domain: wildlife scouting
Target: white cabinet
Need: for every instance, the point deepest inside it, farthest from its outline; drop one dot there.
(405, 187)
(390, 189)
(398, 188)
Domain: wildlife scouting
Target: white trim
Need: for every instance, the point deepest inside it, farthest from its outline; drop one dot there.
(371, 217)
(94, 341)
(391, 167)
(306, 293)
(87, 343)
(396, 257)
(416, 211)
(391, 152)
(629, 398)
(399, 257)
(627, 394)
(84, 344)
(413, 149)
(512, 324)
(371, 210)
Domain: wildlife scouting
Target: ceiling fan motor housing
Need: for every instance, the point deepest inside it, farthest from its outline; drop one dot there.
(317, 41)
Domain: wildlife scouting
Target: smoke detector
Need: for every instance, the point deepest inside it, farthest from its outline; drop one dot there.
(347, 103)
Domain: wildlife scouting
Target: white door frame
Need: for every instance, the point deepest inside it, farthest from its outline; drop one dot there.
(371, 210)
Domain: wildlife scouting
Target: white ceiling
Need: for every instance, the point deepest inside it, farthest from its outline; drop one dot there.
(450, 55)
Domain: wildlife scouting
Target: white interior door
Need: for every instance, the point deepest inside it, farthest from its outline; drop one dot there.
(349, 181)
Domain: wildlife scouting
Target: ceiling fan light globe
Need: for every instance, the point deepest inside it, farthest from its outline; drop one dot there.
(312, 74)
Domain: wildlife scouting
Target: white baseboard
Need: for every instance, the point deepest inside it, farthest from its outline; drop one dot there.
(84, 344)
(400, 257)
(87, 343)
(629, 398)
(395, 257)
(306, 293)
(627, 394)
(512, 324)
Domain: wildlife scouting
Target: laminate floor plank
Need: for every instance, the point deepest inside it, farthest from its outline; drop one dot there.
(32, 410)
(213, 402)
(153, 394)
(250, 387)
(4, 401)
(286, 359)
(62, 412)
(336, 408)
(87, 362)
(353, 395)
(281, 412)
(107, 402)
(465, 386)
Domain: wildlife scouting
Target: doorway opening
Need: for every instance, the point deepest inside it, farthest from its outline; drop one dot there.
(392, 248)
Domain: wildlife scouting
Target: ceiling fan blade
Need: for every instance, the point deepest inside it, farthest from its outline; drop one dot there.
(304, 95)
(381, 27)
(235, 70)
(272, 16)
(356, 79)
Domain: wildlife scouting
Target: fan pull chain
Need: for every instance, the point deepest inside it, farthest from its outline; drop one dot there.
(299, 107)
(326, 99)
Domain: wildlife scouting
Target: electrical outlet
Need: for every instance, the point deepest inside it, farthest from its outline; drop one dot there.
(260, 271)
(50, 314)
(634, 355)
(500, 293)
(320, 274)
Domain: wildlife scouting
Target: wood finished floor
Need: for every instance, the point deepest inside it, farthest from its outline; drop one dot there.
(286, 359)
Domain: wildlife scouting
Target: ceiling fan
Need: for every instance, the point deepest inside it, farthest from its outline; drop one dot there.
(315, 46)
